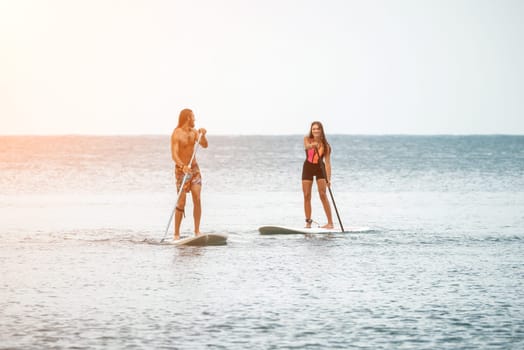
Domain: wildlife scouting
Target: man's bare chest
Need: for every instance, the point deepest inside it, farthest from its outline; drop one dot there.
(186, 139)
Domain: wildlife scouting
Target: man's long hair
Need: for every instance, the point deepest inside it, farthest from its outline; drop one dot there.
(185, 114)
(327, 147)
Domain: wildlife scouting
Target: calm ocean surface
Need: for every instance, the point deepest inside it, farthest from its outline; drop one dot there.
(442, 267)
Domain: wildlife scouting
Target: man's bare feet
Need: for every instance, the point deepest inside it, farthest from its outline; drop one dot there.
(328, 226)
(177, 237)
(198, 233)
(308, 223)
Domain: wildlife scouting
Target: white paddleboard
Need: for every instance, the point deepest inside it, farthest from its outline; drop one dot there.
(286, 230)
(200, 240)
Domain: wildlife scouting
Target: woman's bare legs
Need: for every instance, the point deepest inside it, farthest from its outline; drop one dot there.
(322, 185)
(307, 185)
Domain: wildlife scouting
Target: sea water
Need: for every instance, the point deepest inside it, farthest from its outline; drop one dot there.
(442, 266)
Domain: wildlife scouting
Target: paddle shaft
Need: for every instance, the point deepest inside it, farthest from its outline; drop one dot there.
(180, 191)
(323, 167)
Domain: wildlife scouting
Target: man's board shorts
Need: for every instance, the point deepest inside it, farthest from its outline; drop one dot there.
(195, 178)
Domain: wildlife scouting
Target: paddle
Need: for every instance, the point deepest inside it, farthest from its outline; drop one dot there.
(184, 179)
(323, 167)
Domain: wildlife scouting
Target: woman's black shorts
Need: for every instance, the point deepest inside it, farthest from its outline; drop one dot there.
(311, 169)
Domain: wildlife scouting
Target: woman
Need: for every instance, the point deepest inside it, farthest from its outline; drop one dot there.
(318, 153)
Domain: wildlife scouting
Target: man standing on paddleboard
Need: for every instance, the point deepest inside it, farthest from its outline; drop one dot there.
(183, 142)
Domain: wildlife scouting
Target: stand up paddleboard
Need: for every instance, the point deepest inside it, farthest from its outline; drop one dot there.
(201, 240)
(285, 230)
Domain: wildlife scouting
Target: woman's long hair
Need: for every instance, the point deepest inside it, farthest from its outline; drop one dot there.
(323, 139)
(185, 114)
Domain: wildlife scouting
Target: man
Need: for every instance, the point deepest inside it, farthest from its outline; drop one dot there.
(183, 142)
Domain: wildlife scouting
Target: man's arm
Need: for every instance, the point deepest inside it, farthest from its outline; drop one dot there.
(174, 149)
(203, 139)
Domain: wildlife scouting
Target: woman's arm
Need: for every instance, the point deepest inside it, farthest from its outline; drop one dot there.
(308, 144)
(327, 162)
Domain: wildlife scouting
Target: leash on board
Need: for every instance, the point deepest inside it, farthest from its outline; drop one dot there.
(184, 179)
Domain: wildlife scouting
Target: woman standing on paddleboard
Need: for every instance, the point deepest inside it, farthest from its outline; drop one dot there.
(318, 152)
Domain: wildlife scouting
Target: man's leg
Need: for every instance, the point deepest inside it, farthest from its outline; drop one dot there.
(179, 213)
(197, 207)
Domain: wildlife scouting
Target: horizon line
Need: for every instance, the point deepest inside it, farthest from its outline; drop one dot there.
(240, 135)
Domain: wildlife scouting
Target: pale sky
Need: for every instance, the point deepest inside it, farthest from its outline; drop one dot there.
(262, 66)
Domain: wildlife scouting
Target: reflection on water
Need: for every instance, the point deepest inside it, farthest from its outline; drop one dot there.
(186, 254)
